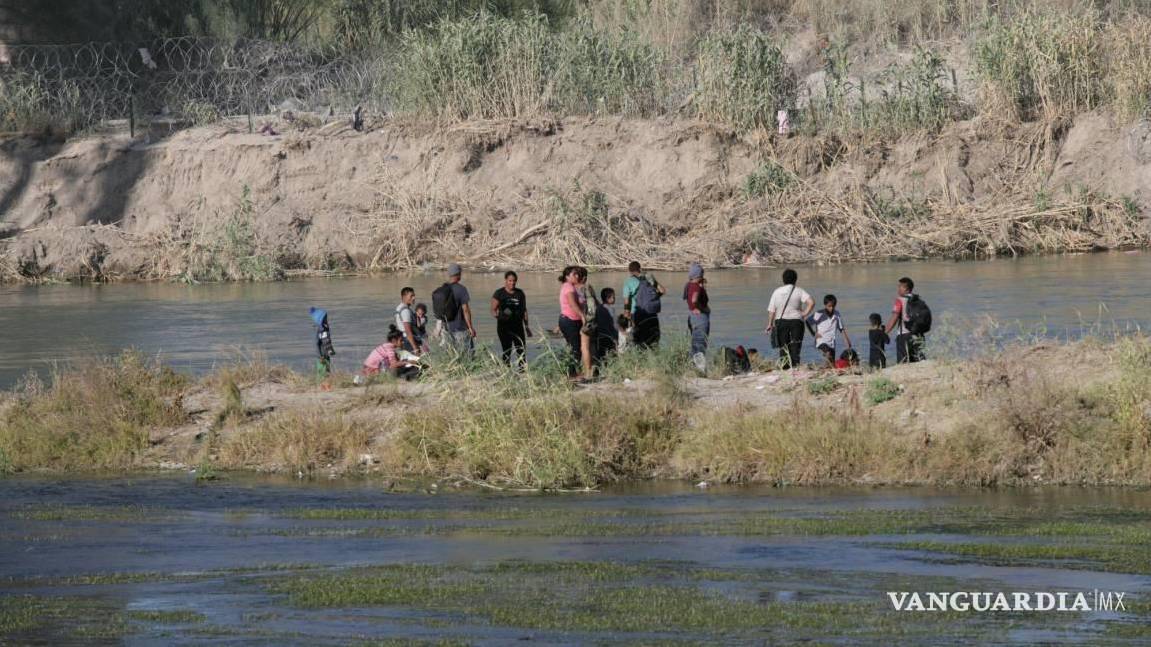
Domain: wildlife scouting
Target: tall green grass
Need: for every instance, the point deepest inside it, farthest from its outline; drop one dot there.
(494, 67)
(1044, 64)
(743, 78)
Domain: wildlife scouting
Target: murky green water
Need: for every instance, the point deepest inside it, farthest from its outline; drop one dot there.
(195, 326)
(167, 560)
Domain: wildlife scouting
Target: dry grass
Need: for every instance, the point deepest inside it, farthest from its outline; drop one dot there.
(94, 414)
(1041, 414)
(306, 440)
(1028, 418)
(776, 219)
(804, 224)
(546, 441)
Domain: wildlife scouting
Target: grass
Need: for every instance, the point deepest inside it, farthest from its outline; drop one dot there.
(646, 601)
(718, 60)
(562, 440)
(1022, 421)
(881, 390)
(743, 78)
(94, 415)
(298, 441)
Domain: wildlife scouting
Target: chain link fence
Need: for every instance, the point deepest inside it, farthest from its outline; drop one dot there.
(74, 87)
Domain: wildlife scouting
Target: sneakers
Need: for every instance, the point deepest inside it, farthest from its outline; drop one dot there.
(700, 361)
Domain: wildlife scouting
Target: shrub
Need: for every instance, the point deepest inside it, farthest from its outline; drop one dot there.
(770, 178)
(822, 386)
(230, 253)
(881, 390)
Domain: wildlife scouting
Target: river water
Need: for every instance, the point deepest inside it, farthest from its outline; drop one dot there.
(176, 561)
(194, 327)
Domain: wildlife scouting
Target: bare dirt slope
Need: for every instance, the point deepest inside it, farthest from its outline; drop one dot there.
(401, 195)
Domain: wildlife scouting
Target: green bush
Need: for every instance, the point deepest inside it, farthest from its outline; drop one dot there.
(770, 178)
(232, 253)
(822, 386)
(881, 390)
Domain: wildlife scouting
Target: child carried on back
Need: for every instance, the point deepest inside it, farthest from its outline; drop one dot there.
(386, 358)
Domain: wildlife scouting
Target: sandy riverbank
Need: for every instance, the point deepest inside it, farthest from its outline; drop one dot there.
(218, 203)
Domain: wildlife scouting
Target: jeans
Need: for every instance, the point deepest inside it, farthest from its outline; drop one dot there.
(461, 342)
(699, 325)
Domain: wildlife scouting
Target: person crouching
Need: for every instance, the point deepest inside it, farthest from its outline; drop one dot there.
(385, 358)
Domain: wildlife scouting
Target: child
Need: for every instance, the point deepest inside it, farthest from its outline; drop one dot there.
(847, 361)
(828, 324)
(385, 357)
(607, 337)
(623, 324)
(421, 327)
(323, 342)
(877, 336)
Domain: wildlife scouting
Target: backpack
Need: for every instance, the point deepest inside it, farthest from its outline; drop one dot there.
(444, 304)
(918, 315)
(647, 298)
(735, 360)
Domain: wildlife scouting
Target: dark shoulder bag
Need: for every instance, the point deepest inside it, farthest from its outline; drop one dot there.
(779, 315)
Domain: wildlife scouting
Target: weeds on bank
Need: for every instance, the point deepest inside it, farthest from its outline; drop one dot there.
(228, 252)
(304, 441)
(95, 414)
(548, 441)
(881, 389)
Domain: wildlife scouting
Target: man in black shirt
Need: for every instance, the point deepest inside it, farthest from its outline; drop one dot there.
(510, 308)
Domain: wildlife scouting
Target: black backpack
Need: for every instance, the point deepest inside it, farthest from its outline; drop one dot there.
(647, 297)
(444, 304)
(918, 315)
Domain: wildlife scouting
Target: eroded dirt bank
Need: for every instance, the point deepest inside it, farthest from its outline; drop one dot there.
(220, 203)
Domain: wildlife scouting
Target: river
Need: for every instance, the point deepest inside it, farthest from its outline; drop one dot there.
(162, 560)
(195, 326)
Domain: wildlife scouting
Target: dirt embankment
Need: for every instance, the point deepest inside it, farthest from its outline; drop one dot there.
(597, 191)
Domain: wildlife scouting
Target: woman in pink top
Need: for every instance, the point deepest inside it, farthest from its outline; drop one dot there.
(385, 358)
(573, 315)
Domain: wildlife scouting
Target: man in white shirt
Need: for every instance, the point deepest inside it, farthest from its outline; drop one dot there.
(788, 308)
(406, 320)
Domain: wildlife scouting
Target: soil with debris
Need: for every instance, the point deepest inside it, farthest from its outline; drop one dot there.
(406, 195)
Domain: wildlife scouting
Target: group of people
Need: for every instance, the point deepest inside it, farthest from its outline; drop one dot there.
(791, 311)
(593, 331)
